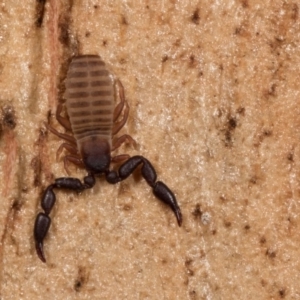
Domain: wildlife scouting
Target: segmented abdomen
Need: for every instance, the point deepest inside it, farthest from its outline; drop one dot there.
(89, 97)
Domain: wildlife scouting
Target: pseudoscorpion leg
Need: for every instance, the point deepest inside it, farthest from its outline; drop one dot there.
(160, 190)
(43, 221)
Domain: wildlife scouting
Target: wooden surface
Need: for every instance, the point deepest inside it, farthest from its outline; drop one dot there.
(213, 88)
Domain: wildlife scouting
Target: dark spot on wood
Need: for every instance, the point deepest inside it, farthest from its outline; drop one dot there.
(81, 280)
(195, 17)
(87, 34)
(63, 26)
(177, 43)
(77, 285)
(267, 132)
(290, 157)
(263, 283)
(49, 114)
(164, 261)
(71, 199)
(122, 61)
(276, 43)
(17, 205)
(295, 12)
(273, 89)
(96, 6)
(36, 162)
(40, 11)
(227, 224)
(197, 213)
(271, 253)
(282, 293)
(164, 58)
(64, 34)
(36, 166)
(237, 30)
(241, 111)
(127, 207)
(245, 3)
(228, 138)
(291, 10)
(1, 130)
(188, 262)
(14, 211)
(193, 294)
(124, 20)
(253, 179)
(232, 123)
(190, 272)
(8, 118)
(262, 240)
(223, 199)
(192, 62)
(188, 265)
(247, 227)
(214, 232)
(104, 43)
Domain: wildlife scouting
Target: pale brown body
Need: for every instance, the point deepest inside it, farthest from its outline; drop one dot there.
(89, 98)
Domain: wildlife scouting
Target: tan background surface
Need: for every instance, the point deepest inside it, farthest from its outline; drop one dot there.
(214, 91)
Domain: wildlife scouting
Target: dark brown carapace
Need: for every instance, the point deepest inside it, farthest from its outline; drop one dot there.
(93, 120)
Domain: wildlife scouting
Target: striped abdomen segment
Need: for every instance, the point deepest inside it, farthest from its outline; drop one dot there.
(89, 97)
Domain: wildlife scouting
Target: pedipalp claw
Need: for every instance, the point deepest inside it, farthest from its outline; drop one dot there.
(40, 251)
(41, 227)
(163, 193)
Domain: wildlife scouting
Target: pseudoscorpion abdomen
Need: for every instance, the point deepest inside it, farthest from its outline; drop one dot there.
(89, 98)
